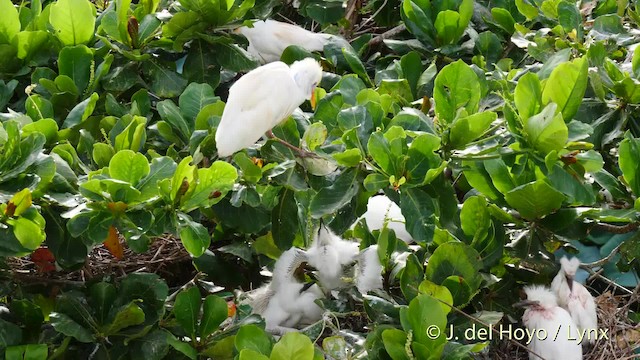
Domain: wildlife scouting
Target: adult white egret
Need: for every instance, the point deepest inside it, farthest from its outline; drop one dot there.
(553, 330)
(269, 38)
(330, 254)
(575, 298)
(263, 98)
(381, 210)
(286, 303)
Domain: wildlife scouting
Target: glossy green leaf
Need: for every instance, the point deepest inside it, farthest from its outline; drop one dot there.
(214, 312)
(466, 129)
(67, 326)
(128, 315)
(187, 309)
(528, 96)
(73, 21)
(547, 131)
(293, 346)
(474, 216)
(253, 338)
(535, 200)
(629, 153)
(194, 236)
(566, 87)
(456, 86)
(455, 259)
(128, 166)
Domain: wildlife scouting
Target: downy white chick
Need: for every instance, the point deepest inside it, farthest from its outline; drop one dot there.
(286, 303)
(381, 210)
(543, 317)
(330, 254)
(269, 38)
(368, 270)
(575, 298)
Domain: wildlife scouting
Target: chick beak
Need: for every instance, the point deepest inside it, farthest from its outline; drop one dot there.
(570, 282)
(313, 99)
(525, 303)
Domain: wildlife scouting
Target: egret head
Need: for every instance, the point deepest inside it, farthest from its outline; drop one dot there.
(288, 265)
(569, 267)
(538, 298)
(307, 74)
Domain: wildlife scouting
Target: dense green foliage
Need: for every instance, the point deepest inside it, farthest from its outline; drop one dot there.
(507, 133)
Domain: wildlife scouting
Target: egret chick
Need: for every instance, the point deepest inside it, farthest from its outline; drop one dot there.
(543, 317)
(330, 254)
(269, 38)
(576, 299)
(263, 98)
(368, 270)
(286, 303)
(381, 210)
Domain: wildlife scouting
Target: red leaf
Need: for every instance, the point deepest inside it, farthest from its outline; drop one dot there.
(44, 260)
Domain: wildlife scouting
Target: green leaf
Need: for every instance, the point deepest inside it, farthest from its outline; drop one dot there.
(29, 233)
(336, 347)
(128, 166)
(67, 326)
(455, 259)
(331, 198)
(412, 275)
(424, 314)
(528, 95)
(214, 312)
(213, 183)
(547, 131)
(566, 87)
(27, 352)
(535, 200)
(29, 43)
(194, 98)
(248, 354)
(456, 86)
(183, 347)
(10, 24)
(474, 216)
(81, 112)
(293, 346)
(128, 315)
(439, 292)
(526, 9)
(394, 341)
(504, 18)
(76, 62)
(466, 129)
(629, 153)
(447, 26)
(187, 309)
(419, 211)
(194, 236)
(356, 65)
(253, 338)
(73, 21)
(284, 219)
(102, 295)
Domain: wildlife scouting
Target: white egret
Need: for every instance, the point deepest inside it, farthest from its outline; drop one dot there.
(286, 303)
(575, 298)
(553, 330)
(263, 98)
(368, 270)
(269, 38)
(330, 254)
(381, 210)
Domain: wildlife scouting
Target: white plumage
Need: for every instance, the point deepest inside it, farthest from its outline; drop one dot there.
(284, 303)
(381, 210)
(575, 298)
(544, 316)
(263, 98)
(368, 270)
(330, 254)
(269, 38)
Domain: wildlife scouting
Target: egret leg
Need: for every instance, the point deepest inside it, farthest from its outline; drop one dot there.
(301, 152)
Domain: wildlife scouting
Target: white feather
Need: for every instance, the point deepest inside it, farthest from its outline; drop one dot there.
(550, 319)
(369, 270)
(263, 98)
(268, 39)
(576, 300)
(329, 253)
(381, 210)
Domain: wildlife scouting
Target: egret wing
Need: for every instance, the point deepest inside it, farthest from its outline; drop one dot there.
(257, 102)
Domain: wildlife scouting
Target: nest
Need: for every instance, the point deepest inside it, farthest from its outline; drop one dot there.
(166, 257)
(623, 336)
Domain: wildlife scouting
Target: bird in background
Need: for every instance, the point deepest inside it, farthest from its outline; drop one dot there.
(380, 211)
(336, 258)
(543, 313)
(575, 298)
(329, 254)
(262, 99)
(286, 302)
(269, 38)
